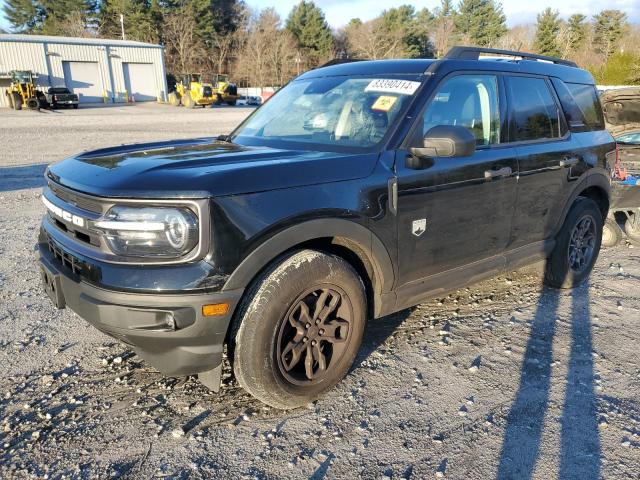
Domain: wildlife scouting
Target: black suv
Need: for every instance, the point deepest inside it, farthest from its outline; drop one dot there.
(358, 190)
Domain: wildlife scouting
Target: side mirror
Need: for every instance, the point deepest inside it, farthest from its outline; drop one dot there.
(446, 141)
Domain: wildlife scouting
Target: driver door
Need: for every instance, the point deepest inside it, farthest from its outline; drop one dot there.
(454, 214)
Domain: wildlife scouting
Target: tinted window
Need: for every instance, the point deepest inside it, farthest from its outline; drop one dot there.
(629, 139)
(581, 105)
(535, 114)
(59, 90)
(469, 101)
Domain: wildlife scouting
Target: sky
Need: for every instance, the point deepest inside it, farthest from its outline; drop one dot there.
(339, 12)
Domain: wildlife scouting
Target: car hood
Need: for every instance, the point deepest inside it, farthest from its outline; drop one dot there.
(201, 168)
(621, 109)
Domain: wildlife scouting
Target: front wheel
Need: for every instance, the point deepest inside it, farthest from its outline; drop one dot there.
(299, 329)
(577, 246)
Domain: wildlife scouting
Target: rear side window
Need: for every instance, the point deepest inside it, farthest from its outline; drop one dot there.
(581, 105)
(534, 113)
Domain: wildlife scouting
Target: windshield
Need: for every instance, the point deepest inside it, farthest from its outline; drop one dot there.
(330, 111)
(59, 90)
(629, 138)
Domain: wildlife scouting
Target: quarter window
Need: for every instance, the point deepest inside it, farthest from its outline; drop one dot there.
(470, 101)
(535, 114)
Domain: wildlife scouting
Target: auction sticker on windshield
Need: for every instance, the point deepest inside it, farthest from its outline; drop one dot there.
(402, 87)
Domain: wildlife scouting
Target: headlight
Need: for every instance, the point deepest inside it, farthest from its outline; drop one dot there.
(149, 231)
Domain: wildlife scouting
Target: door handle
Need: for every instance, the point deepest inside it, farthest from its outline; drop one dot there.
(501, 172)
(569, 161)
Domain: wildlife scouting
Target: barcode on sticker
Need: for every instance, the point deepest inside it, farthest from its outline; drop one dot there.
(402, 87)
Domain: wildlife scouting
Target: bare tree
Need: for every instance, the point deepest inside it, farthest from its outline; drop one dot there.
(519, 38)
(267, 55)
(373, 41)
(183, 52)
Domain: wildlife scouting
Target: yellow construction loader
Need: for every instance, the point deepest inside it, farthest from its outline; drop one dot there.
(191, 91)
(224, 91)
(23, 92)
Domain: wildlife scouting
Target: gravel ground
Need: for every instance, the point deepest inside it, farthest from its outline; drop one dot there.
(505, 379)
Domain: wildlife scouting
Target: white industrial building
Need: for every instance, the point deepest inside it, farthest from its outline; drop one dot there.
(98, 70)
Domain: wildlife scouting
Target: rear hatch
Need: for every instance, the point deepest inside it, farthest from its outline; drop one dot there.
(621, 109)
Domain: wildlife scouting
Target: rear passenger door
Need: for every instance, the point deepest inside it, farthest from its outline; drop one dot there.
(548, 158)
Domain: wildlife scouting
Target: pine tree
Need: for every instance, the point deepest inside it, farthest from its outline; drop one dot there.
(141, 22)
(547, 30)
(577, 31)
(309, 27)
(482, 22)
(23, 15)
(444, 26)
(412, 27)
(608, 28)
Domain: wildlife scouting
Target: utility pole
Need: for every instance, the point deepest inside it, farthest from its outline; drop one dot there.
(122, 25)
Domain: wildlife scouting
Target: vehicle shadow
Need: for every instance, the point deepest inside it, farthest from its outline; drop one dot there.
(21, 177)
(377, 332)
(579, 443)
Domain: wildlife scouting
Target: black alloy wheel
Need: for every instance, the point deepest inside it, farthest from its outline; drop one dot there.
(314, 334)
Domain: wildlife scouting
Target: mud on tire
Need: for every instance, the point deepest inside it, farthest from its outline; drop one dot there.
(299, 328)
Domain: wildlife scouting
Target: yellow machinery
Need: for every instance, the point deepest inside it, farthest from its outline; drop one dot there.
(224, 91)
(22, 91)
(191, 91)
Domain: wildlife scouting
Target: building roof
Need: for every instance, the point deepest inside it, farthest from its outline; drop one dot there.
(15, 37)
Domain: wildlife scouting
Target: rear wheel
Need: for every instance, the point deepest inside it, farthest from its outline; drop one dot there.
(299, 329)
(33, 103)
(611, 233)
(187, 101)
(577, 246)
(75, 105)
(231, 103)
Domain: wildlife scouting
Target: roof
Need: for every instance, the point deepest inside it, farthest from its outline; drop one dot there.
(15, 37)
(445, 65)
(372, 67)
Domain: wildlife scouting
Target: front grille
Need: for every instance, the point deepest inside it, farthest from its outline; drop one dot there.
(65, 258)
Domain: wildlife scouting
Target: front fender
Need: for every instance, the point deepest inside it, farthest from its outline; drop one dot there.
(369, 244)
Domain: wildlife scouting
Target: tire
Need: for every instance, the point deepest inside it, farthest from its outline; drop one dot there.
(218, 99)
(187, 101)
(574, 254)
(632, 228)
(174, 99)
(33, 103)
(231, 103)
(271, 329)
(17, 100)
(75, 106)
(611, 233)
(10, 100)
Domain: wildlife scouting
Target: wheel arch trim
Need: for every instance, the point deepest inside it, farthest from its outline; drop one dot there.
(345, 231)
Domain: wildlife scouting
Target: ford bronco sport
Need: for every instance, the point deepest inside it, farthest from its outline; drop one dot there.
(358, 190)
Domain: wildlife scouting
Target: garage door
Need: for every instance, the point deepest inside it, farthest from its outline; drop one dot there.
(83, 78)
(139, 80)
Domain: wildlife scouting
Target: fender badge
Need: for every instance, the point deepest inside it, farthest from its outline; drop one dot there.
(418, 227)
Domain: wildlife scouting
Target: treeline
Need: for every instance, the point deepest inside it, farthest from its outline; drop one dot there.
(259, 48)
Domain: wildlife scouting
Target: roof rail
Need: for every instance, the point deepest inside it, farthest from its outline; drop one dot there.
(473, 53)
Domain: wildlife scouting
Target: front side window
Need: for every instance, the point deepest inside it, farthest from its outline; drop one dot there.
(535, 115)
(469, 101)
(330, 111)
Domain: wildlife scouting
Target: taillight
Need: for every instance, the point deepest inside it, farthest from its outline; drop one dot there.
(55, 98)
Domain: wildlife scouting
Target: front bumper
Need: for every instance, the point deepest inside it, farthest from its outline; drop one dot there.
(166, 330)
